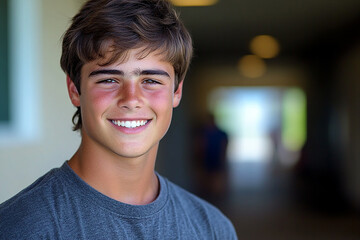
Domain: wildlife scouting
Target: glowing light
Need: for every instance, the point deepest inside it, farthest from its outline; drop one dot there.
(193, 3)
(262, 123)
(294, 119)
(265, 46)
(252, 66)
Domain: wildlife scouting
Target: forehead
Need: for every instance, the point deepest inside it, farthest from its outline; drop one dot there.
(110, 53)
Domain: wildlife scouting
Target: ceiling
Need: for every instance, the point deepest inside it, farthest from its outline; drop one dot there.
(227, 27)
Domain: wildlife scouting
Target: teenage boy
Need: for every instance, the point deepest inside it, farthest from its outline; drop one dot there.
(125, 62)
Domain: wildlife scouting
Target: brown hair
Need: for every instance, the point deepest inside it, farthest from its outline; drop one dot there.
(118, 26)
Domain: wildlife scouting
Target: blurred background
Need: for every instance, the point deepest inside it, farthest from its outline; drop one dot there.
(268, 128)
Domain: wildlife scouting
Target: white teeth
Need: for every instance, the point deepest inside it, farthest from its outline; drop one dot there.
(130, 124)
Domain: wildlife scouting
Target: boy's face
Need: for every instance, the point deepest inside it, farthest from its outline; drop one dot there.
(126, 107)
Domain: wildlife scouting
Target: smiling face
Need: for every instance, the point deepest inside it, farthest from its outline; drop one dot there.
(126, 107)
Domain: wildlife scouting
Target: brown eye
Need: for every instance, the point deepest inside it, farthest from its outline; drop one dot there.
(151, 81)
(106, 81)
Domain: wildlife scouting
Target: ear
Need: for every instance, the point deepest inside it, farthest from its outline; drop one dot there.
(178, 95)
(73, 92)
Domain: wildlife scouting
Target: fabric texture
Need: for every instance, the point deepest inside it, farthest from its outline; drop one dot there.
(60, 205)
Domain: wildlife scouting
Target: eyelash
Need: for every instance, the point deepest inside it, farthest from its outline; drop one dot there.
(107, 81)
(151, 81)
(145, 81)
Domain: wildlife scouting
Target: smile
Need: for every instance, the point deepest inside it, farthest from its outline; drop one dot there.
(130, 124)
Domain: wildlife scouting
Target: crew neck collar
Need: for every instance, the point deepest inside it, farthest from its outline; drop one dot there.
(125, 210)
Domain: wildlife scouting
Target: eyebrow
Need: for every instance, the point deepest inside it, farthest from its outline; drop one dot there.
(153, 72)
(106, 71)
(136, 72)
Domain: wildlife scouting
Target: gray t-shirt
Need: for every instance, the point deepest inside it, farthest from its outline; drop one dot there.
(60, 205)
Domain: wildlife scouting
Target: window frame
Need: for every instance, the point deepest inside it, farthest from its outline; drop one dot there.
(4, 56)
(24, 54)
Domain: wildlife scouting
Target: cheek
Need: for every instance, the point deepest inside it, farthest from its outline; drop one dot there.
(161, 102)
(161, 98)
(96, 101)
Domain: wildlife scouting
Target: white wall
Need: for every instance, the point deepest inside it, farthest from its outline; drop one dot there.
(45, 139)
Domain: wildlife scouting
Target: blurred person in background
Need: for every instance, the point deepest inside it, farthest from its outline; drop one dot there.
(211, 145)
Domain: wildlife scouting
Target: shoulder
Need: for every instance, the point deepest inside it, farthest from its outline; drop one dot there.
(201, 212)
(29, 210)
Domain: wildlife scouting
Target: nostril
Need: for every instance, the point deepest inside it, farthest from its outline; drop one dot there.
(130, 102)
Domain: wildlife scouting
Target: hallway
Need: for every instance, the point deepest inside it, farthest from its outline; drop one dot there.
(270, 207)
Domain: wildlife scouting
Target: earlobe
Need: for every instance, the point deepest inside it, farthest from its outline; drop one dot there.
(178, 95)
(73, 92)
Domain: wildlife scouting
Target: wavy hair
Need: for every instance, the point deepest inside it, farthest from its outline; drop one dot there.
(118, 26)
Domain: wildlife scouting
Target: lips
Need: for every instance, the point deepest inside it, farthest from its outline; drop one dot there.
(130, 124)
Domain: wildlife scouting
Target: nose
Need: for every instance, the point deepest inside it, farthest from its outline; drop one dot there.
(130, 96)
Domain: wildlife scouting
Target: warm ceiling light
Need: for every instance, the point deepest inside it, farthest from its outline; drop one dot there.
(252, 66)
(265, 46)
(193, 3)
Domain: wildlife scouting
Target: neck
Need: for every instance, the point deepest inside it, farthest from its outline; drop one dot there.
(128, 180)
